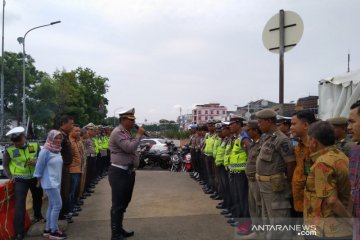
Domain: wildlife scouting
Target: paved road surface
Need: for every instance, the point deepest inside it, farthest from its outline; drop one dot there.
(165, 206)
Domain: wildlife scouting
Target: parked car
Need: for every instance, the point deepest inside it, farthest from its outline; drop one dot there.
(155, 143)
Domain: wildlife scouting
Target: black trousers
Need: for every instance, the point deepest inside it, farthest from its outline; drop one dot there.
(22, 187)
(240, 188)
(210, 170)
(122, 186)
(65, 191)
(90, 169)
(202, 167)
(225, 186)
(194, 160)
(99, 165)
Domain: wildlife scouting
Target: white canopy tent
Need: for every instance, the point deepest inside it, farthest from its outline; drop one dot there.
(337, 94)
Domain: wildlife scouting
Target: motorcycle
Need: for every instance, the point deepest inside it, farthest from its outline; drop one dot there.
(176, 161)
(153, 158)
(186, 159)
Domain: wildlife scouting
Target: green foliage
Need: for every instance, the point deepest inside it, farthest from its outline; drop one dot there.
(79, 93)
(13, 84)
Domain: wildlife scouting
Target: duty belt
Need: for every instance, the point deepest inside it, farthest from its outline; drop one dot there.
(129, 168)
(268, 178)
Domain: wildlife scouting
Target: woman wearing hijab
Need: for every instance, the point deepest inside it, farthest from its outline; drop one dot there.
(48, 171)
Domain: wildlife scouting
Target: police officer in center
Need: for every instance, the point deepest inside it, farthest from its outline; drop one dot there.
(19, 165)
(124, 160)
(274, 169)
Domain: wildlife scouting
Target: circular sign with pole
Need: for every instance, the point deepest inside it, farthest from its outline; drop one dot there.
(293, 29)
(281, 33)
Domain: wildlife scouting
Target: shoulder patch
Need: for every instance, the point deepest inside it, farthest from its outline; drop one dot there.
(285, 147)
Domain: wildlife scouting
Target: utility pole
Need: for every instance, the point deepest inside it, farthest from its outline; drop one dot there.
(2, 77)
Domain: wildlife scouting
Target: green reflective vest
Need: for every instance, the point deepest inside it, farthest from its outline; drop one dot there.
(217, 143)
(238, 157)
(209, 145)
(96, 144)
(228, 148)
(105, 142)
(18, 160)
(220, 154)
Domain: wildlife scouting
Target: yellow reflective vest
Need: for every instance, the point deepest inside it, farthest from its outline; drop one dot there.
(96, 144)
(238, 157)
(228, 149)
(19, 158)
(217, 143)
(209, 145)
(220, 153)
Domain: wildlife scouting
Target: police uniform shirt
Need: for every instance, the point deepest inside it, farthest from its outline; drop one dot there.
(192, 142)
(345, 145)
(253, 152)
(276, 151)
(123, 147)
(90, 148)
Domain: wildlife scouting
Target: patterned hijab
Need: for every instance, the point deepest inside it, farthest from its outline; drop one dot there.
(50, 145)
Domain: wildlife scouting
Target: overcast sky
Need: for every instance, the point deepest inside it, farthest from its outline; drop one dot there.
(162, 54)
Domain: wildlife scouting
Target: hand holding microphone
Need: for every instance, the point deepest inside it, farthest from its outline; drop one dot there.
(140, 130)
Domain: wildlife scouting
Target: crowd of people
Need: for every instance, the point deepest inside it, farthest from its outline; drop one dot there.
(269, 171)
(283, 172)
(67, 168)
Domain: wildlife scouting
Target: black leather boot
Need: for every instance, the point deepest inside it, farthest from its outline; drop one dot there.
(127, 234)
(123, 232)
(116, 225)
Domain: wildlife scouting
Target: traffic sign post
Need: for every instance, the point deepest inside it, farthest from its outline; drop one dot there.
(281, 33)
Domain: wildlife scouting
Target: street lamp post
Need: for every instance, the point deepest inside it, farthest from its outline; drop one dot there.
(2, 76)
(21, 40)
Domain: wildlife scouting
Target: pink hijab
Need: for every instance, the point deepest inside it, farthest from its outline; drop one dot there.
(50, 145)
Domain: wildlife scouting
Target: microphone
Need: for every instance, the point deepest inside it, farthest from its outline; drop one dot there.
(137, 127)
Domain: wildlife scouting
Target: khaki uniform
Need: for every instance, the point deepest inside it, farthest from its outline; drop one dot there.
(276, 151)
(254, 191)
(345, 145)
(328, 178)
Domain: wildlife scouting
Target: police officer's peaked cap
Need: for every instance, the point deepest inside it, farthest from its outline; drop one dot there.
(225, 124)
(266, 114)
(338, 121)
(281, 119)
(90, 126)
(236, 118)
(218, 125)
(130, 114)
(15, 132)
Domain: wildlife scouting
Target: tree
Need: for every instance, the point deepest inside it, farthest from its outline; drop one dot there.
(93, 89)
(69, 97)
(79, 93)
(43, 103)
(13, 84)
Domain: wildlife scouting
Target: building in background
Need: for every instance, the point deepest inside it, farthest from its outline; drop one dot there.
(308, 103)
(202, 113)
(252, 107)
